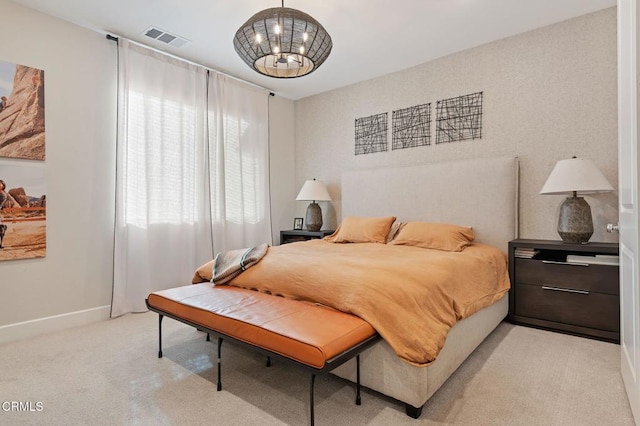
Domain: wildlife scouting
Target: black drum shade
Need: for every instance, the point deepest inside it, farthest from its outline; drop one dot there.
(283, 43)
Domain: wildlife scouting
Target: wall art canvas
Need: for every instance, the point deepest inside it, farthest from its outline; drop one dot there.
(23, 209)
(459, 118)
(371, 134)
(22, 132)
(411, 127)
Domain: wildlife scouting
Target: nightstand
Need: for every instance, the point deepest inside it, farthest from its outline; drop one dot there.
(294, 235)
(571, 288)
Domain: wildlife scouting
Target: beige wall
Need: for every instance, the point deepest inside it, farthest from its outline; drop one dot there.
(282, 160)
(80, 83)
(72, 284)
(549, 94)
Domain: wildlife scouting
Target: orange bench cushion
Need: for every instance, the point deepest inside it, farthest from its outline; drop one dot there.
(309, 334)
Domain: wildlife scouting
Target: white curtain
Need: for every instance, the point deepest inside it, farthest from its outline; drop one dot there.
(239, 155)
(171, 173)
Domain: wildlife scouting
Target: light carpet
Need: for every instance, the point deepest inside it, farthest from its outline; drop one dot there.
(108, 373)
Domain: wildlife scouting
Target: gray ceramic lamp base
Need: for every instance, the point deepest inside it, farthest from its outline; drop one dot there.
(314, 217)
(575, 224)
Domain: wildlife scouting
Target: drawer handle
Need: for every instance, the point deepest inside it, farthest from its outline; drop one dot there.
(566, 290)
(555, 262)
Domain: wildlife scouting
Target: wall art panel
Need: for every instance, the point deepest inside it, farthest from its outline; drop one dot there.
(371, 134)
(411, 127)
(22, 125)
(23, 209)
(459, 118)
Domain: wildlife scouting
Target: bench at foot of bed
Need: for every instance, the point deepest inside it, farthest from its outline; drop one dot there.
(313, 337)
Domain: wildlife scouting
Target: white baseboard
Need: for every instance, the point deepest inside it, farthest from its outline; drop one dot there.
(26, 329)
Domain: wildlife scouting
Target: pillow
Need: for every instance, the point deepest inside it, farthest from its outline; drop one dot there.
(439, 236)
(394, 230)
(355, 229)
(204, 273)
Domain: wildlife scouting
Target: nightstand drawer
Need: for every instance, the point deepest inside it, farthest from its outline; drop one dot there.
(568, 306)
(592, 278)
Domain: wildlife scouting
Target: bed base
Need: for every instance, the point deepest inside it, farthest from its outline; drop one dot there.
(413, 412)
(330, 364)
(445, 192)
(413, 386)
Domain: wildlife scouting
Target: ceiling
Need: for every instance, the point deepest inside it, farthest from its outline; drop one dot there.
(370, 37)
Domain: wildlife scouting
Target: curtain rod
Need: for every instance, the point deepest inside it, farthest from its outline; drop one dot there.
(114, 38)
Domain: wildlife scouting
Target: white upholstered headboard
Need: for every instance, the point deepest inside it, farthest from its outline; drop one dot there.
(482, 193)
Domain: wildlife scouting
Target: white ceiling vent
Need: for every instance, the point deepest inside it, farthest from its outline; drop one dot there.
(165, 37)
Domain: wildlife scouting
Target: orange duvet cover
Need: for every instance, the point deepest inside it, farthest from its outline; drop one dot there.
(412, 296)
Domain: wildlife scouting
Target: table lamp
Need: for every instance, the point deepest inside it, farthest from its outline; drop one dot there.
(313, 190)
(575, 176)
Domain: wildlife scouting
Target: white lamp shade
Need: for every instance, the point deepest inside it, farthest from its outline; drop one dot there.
(313, 190)
(576, 174)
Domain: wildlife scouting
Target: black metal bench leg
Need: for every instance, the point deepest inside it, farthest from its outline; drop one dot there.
(219, 364)
(358, 400)
(160, 335)
(313, 379)
(268, 361)
(208, 337)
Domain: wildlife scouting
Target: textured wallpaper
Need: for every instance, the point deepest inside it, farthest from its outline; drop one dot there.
(548, 95)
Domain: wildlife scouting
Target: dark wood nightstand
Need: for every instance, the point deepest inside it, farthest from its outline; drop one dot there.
(572, 288)
(292, 236)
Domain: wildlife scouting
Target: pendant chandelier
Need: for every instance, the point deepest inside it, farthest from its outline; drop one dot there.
(282, 42)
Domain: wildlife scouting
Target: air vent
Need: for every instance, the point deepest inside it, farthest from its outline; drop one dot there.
(165, 37)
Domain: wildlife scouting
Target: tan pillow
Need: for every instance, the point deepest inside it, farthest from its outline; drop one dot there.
(204, 273)
(439, 236)
(355, 229)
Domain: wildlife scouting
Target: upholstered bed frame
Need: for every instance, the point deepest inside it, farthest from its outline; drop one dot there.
(482, 193)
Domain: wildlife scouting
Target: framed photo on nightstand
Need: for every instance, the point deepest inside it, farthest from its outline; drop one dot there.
(297, 224)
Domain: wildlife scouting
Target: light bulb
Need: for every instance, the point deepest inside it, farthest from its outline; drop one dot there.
(258, 38)
(305, 36)
(276, 49)
(276, 29)
(301, 50)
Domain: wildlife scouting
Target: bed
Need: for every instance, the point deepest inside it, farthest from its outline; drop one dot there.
(481, 194)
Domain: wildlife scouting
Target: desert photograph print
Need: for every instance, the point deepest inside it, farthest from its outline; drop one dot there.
(23, 210)
(22, 133)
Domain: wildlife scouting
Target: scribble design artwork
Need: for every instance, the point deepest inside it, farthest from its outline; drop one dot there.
(459, 119)
(371, 134)
(411, 127)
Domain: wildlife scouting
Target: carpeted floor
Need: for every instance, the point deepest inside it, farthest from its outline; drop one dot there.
(109, 374)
